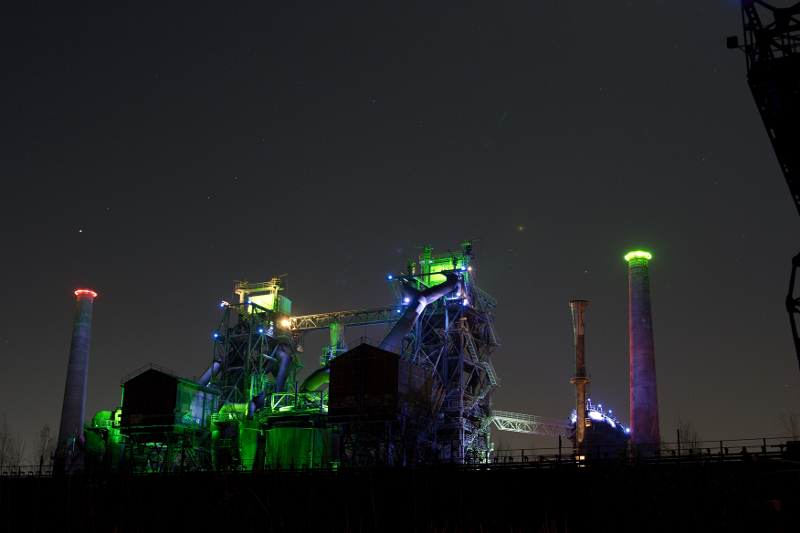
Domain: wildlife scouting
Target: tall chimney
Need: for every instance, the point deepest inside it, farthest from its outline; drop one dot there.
(645, 434)
(580, 379)
(77, 369)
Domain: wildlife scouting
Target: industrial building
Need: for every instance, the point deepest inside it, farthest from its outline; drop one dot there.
(419, 396)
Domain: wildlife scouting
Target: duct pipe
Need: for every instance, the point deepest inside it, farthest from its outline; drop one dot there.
(259, 401)
(317, 379)
(419, 300)
(77, 370)
(645, 433)
(205, 379)
(283, 370)
(581, 380)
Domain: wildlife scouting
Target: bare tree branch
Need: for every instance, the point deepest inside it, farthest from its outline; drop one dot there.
(790, 424)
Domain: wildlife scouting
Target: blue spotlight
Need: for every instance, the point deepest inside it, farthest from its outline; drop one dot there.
(389, 277)
(261, 330)
(398, 310)
(216, 335)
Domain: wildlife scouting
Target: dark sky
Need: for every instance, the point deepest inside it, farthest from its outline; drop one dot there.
(154, 152)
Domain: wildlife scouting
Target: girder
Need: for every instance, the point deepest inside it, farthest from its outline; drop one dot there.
(361, 317)
(531, 424)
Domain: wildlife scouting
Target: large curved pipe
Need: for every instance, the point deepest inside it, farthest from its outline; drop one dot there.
(205, 379)
(317, 379)
(415, 308)
(283, 370)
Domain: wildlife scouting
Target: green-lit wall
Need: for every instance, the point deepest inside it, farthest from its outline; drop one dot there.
(298, 447)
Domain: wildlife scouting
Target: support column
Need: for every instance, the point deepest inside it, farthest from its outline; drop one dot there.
(580, 379)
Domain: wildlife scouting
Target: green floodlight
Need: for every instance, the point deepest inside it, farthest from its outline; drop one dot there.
(639, 253)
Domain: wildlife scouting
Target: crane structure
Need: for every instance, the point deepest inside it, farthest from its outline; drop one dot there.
(772, 48)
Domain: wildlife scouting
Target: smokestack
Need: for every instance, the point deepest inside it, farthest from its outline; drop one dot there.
(580, 379)
(645, 434)
(77, 369)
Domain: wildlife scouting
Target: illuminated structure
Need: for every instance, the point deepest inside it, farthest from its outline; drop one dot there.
(773, 74)
(581, 379)
(645, 433)
(454, 339)
(605, 435)
(419, 396)
(594, 433)
(70, 430)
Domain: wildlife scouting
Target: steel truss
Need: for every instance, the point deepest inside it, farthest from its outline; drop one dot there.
(455, 341)
(248, 341)
(168, 451)
(300, 325)
(533, 425)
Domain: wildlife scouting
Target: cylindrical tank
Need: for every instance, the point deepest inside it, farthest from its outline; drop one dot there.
(77, 369)
(645, 434)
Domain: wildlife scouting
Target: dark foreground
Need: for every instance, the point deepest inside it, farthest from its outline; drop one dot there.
(745, 496)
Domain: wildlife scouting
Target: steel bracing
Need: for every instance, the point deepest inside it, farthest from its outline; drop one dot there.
(533, 425)
(251, 342)
(772, 48)
(454, 339)
(300, 325)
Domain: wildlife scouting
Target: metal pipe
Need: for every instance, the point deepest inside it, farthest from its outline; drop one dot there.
(77, 370)
(205, 379)
(419, 300)
(317, 379)
(283, 371)
(645, 434)
(581, 380)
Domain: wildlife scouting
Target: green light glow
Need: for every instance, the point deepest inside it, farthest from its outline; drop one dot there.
(637, 254)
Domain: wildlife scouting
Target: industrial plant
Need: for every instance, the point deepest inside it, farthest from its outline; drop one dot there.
(420, 396)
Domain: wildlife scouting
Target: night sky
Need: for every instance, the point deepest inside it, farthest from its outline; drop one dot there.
(155, 152)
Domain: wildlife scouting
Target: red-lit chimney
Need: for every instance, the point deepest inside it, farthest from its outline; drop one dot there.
(77, 372)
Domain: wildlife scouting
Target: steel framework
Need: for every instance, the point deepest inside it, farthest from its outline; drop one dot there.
(773, 74)
(533, 425)
(454, 339)
(300, 325)
(250, 342)
(168, 451)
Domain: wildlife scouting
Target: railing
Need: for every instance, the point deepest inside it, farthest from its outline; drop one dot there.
(227, 417)
(303, 400)
(102, 423)
(26, 471)
(668, 453)
(490, 300)
(739, 451)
